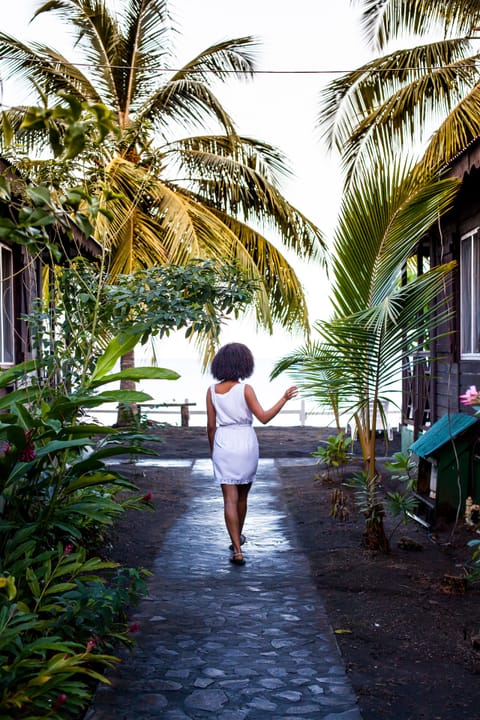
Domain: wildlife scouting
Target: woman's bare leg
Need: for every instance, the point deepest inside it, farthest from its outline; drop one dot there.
(243, 491)
(232, 515)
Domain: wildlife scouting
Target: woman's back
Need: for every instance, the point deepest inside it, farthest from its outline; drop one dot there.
(231, 407)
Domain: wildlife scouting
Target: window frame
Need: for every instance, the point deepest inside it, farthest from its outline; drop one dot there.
(7, 308)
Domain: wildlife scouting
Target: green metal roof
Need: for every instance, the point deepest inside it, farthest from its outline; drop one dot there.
(442, 432)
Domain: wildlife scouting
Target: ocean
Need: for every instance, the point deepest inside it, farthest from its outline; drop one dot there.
(192, 386)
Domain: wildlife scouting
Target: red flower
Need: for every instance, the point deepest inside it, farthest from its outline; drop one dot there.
(148, 497)
(28, 452)
(59, 701)
(134, 627)
(69, 548)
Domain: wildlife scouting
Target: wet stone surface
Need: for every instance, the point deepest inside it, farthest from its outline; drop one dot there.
(227, 642)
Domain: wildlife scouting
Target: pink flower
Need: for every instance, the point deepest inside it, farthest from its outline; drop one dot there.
(471, 396)
(91, 645)
(148, 497)
(69, 548)
(134, 627)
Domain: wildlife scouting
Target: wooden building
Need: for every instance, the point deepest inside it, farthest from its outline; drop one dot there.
(21, 271)
(434, 379)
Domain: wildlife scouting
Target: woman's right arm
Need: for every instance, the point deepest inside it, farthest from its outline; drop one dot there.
(211, 420)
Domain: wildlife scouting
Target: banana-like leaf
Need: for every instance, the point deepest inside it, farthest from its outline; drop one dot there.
(136, 374)
(7, 377)
(118, 347)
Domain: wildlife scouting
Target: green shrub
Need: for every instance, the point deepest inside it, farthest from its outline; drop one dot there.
(62, 612)
(335, 454)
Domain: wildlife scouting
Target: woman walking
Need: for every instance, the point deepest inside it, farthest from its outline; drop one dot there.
(231, 406)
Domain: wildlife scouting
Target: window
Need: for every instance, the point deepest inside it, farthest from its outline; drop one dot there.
(6, 306)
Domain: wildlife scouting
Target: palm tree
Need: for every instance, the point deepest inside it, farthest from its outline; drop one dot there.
(172, 196)
(421, 94)
(376, 316)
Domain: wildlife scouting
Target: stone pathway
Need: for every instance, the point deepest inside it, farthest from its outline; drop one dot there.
(224, 642)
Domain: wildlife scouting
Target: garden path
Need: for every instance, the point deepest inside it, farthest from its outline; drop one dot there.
(227, 642)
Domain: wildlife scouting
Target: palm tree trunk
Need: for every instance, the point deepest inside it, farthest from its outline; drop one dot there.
(127, 412)
(374, 537)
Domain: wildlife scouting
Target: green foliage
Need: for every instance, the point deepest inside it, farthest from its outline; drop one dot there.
(71, 125)
(404, 468)
(55, 628)
(62, 612)
(335, 453)
(376, 318)
(359, 483)
(473, 566)
(58, 626)
(196, 297)
(400, 505)
(403, 504)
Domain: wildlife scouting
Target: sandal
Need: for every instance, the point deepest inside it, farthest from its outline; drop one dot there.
(243, 540)
(237, 559)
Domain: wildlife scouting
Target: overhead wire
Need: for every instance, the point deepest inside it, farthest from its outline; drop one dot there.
(233, 71)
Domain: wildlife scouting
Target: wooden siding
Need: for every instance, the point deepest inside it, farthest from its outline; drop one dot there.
(27, 270)
(452, 374)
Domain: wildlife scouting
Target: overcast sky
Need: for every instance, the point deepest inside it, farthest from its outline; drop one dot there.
(281, 108)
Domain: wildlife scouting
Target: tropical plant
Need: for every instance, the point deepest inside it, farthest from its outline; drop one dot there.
(57, 495)
(59, 621)
(170, 197)
(197, 297)
(404, 469)
(421, 94)
(376, 317)
(335, 453)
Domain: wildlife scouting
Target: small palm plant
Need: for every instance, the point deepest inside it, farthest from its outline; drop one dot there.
(377, 317)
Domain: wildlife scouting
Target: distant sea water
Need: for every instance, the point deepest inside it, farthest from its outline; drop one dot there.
(193, 384)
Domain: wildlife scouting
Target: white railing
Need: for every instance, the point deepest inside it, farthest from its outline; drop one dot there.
(184, 413)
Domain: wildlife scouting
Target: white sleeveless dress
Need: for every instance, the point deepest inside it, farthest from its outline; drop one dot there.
(235, 447)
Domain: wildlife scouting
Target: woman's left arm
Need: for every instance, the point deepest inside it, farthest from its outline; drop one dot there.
(264, 416)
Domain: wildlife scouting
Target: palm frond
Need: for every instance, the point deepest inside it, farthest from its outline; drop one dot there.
(184, 102)
(399, 94)
(460, 126)
(238, 177)
(384, 20)
(373, 218)
(220, 61)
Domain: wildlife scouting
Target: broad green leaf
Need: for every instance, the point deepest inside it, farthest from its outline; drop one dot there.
(101, 478)
(122, 396)
(33, 582)
(7, 377)
(60, 445)
(17, 396)
(139, 373)
(118, 347)
(40, 195)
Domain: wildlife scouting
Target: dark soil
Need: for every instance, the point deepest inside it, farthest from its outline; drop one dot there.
(405, 624)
